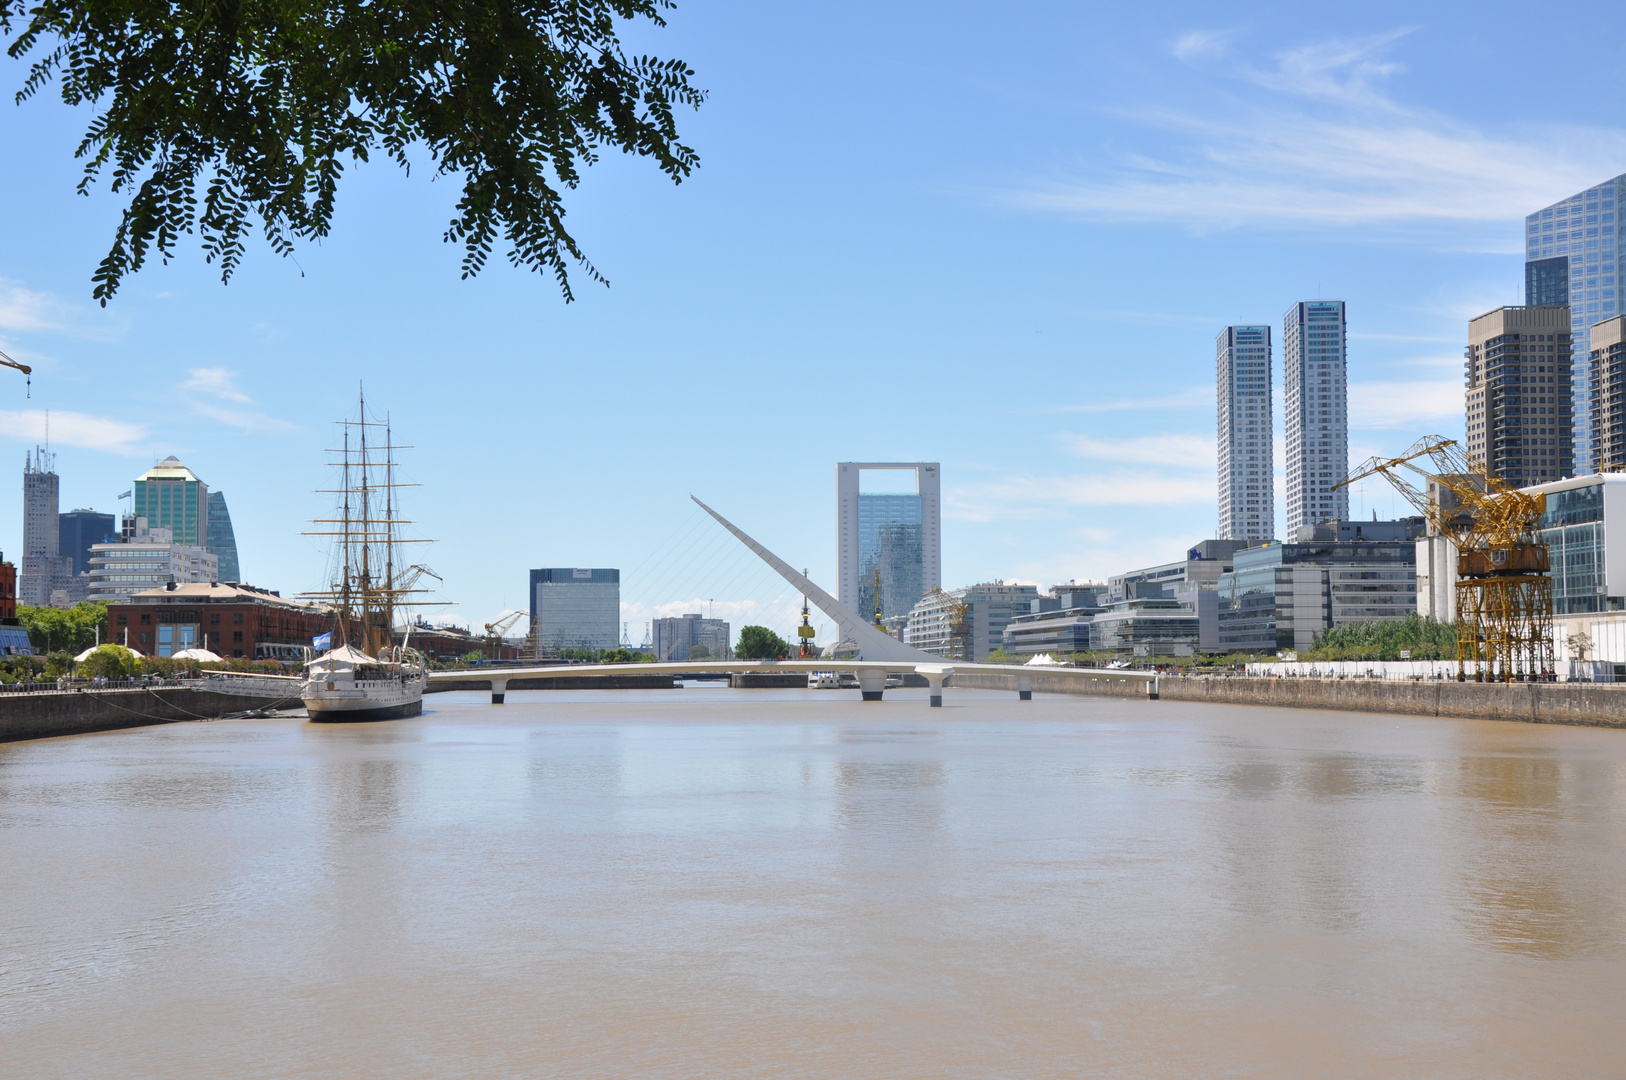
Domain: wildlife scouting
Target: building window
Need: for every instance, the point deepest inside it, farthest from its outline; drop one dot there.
(124, 620)
(236, 636)
(146, 637)
(146, 620)
(214, 620)
(237, 618)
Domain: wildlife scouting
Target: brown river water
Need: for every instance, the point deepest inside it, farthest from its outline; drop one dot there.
(716, 883)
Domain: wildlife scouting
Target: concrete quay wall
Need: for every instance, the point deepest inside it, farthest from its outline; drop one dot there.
(562, 682)
(1587, 704)
(75, 712)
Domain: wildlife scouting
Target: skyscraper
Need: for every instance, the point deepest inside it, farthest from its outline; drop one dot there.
(1518, 397)
(1574, 255)
(221, 540)
(43, 570)
(1315, 384)
(1608, 364)
(1247, 455)
(898, 535)
(79, 529)
(575, 608)
(170, 497)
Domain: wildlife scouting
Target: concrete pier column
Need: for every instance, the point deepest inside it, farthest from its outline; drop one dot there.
(499, 687)
(1024, 687)
(1151, 689)
(936, 681)
(871, 682)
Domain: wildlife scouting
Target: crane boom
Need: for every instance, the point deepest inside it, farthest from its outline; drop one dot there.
(24, 368)
(1503, 592)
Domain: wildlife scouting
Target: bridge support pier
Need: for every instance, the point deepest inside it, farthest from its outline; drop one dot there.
(1024, 688)
(936, 682)
(499, 687)
(1151, 689)
(871, 682)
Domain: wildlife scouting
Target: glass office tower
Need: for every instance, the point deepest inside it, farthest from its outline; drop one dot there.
(896, 533)
(222, 539)
(1315, 384)
(1247, 453)
(1574, 255)
(170, 497)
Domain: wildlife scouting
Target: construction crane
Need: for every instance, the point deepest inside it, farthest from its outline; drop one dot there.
(27, 371)
(805, 631)
(496, 628)
(957, 616)
(1504, 596)
(879, 625)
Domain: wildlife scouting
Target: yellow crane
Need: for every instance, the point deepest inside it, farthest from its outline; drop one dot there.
(879, 625)
(27, 371)
(957, 615)
(805, 631)
(496, 628)
(1504, 595)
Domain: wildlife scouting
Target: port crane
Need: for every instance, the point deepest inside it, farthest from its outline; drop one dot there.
(957, 615)
(1503, 592)
(28, 372)
(496, 628)
(805, 632)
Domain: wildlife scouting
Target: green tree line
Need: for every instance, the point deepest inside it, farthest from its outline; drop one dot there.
(1424, 638)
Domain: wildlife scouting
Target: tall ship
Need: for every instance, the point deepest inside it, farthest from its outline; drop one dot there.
(364, 674)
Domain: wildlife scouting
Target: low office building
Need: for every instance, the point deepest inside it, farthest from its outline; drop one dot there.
(1201, 567)
(1584, 527)
(1057, 623)
(235, 621)
(1146, 628)
(575, 608)
(445, 644)
(992, 606)
(146, 559)
(690, 637)
(1281, 596)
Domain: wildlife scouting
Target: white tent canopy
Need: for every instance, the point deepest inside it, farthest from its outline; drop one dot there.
(202, 655)
(84, 655)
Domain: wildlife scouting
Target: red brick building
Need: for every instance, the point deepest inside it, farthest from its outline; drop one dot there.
(446, 643)
(233, 621)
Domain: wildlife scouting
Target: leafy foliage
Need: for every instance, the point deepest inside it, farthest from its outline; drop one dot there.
(71, 630)
(1384, 639)
(210, 116)
(760, 643)
(110, 662)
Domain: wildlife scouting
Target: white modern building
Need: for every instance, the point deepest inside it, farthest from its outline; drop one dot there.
(1247, 487)
(897, 534)
(148, 558)
(992, 606)
(1315, 386)
(1575, 256)
(576, 608)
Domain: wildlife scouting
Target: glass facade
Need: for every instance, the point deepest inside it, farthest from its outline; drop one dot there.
(889, 539)
(1547, 283)
(1247, 489)
(221, 539)
(1585, 231)
(170, 497)
(1315, 386)
(1282, 596)
(1573, 529)
(575, 608)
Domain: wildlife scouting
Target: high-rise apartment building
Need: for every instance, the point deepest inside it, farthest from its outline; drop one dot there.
(898, 535)
(1247, 453)
(1607, 363)
(1315, 388)
(575, 608)
(170, 497)
(1575, 256)
(1518, 367)
(690, 637)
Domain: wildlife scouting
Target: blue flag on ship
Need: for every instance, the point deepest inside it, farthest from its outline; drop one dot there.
(325, 641)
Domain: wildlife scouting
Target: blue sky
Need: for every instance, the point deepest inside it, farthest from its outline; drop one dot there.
(1002, 237)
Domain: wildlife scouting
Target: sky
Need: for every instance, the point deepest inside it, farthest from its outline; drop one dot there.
(1001, 237)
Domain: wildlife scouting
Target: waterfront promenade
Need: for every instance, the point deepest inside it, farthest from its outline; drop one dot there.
(705, 882)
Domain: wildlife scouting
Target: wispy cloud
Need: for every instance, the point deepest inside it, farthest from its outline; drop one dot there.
(1028, 497)
(72, 429)
(1180, 451)
(30, 311)
(221, 384)
(1385, 405)
(1190, 398)
(1202, 44)
(1368, 164)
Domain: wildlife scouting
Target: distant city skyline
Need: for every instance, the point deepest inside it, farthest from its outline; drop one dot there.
(1036, 310)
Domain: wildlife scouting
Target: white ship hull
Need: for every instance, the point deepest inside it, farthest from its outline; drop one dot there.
(336, 696)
